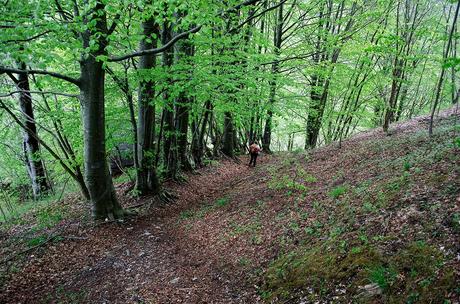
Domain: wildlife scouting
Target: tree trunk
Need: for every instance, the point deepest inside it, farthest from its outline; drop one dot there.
(278, 39)
(31, 146)
(170, 137)
(98, 180)
(315, 113)
(395, 87)
(146, 178)
(198, 144)
(184, 52)
(228, 147)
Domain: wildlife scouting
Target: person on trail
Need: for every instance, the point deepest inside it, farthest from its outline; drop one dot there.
(254, 150)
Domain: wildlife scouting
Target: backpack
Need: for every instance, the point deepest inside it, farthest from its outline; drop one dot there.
(254, 148)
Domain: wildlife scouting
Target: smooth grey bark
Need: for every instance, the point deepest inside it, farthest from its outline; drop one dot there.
(98, 180)
(146, 178)
(31, 146)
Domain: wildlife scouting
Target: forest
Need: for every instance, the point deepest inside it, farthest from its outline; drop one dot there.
(125, 129)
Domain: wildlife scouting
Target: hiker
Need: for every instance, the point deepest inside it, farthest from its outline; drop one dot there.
(254, 150)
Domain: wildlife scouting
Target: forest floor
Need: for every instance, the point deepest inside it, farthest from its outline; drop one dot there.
(376, 220)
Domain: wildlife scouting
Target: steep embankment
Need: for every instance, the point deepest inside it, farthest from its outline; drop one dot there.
(376, 220)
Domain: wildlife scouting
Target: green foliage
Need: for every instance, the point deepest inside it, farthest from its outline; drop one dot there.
(49, 217)
(338, 191)
(382, 276)
(247, 228)
(63, 296)
(222, 202)
(296, 180)
(37, 240)
(454, 222)
(203, 210)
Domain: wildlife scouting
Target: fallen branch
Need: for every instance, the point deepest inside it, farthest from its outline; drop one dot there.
(50, 238)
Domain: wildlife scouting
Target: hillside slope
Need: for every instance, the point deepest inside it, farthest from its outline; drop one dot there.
(375, 221)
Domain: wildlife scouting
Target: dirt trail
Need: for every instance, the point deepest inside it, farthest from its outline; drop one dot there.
(144, 260)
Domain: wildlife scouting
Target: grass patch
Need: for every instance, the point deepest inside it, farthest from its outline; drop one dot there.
(382, 276)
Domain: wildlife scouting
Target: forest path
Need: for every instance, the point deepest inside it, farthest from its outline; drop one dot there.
(148, 259)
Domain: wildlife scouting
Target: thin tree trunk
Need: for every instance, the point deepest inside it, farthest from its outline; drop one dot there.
(443, 70)
(228, 147)
(31, 145)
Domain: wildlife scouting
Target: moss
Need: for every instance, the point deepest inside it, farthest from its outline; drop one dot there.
(422, 277)
(413, 274)
(317, 268)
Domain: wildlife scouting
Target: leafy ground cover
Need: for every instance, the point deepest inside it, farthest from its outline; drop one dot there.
(373, 221)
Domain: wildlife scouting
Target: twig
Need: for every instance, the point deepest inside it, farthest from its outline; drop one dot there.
(50, 238)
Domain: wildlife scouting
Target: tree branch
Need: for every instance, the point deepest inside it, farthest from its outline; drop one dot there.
(38, 92)
(246, 3)
(157, 50)
(28, 39)
(41, 72)
(114, 24)
(175, 38)
(233, 30)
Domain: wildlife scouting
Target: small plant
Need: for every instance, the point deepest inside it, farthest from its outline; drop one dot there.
(244, 261)
(369, 207)
(210, 162)
(37, 241)
(382, 276)
(407, 165)
(222, 202)
(257, 240)
(455, 222)
(186, 214)
(48, 217)
(294, 181)
(338, 191)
